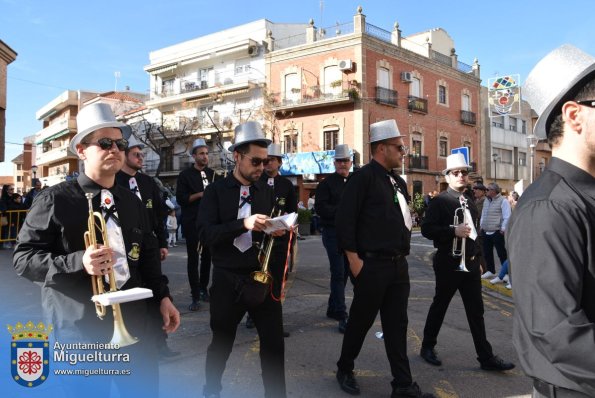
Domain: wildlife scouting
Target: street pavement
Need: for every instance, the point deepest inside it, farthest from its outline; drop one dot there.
(314, 345)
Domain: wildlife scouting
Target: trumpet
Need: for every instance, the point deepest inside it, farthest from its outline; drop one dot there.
(121, 335)
(458, 244)
(264, 255)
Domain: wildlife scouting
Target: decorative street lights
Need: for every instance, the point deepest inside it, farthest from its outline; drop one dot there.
(532, 140)
(495, 157)
(34, 171)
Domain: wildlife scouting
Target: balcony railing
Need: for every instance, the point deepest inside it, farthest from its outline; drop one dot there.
(417, 104)
(386, 96)
(418, 162)
(468, 118)
(316, 94)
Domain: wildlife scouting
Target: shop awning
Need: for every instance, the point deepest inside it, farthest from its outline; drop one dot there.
(53, 137)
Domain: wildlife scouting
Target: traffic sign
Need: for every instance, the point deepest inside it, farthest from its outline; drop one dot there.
(464, 150)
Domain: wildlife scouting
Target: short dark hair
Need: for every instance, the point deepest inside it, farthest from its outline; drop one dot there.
(245, 148)
(374, 146)
(555, 132)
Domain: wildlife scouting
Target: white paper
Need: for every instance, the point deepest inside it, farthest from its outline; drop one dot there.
(122, 296)
(284, 222)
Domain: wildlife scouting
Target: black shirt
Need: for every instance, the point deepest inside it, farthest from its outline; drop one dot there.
(439, 217)
(218, 219)
(50, 250)
(368, 219)
(328, 196)
(152, 200)
(552, 258)
(190, 182)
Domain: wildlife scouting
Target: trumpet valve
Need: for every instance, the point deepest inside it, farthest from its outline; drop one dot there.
(262, 277)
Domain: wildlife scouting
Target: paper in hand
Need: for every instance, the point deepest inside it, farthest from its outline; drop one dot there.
(284, 222)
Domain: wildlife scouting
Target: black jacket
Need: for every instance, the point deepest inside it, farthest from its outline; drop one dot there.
(328, 196)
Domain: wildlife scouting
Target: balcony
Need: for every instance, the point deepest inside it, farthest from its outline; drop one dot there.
(418, 162)
(55, 130)
(386, 96)
(468, 118)
(418, 105)
(315, 96)
(53, 155)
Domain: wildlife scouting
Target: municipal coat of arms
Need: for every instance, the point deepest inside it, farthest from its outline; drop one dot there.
(30, 353)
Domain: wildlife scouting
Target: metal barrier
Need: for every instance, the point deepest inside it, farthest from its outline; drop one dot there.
(11, 222)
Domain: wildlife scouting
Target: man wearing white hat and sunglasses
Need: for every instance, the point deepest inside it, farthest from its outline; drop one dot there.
(374, 228)
(190, 188)
(451, 276)
(51, 251)
(234, 212)
(551, 231)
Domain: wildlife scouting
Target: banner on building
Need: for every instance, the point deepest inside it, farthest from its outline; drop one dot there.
(504, 95)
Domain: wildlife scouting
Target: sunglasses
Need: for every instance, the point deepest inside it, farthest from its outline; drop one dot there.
(589, 103)
(257, 161)
(456, 173)
(107, 143)
(138, 155)
(342, 160)
(404, 149)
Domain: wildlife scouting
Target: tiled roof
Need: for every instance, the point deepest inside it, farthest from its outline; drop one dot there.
(119, 96)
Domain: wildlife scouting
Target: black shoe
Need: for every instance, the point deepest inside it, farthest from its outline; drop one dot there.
(347, 382)
(496, 363)
(166, 352)
(204, 295)
(412, 391)
(342, 325)
(336, 315)
(429, 355)
(194, 306)
(249, 323)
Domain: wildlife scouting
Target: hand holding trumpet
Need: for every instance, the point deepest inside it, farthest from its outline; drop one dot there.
(462, 231)
(98, 260)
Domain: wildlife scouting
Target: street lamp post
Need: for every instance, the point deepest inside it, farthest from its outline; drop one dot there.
(495, 157)
(34, 171)
(532, 140)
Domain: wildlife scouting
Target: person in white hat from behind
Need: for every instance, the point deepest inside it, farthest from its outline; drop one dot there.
(374, 228)
(234, 212)
(450, 273)
(51, 251)
(551, 231)
(190, 188)
(328, 195)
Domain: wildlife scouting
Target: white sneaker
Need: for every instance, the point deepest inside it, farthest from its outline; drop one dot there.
(488, 275)
(505, 279)
(509, 286)
(496, 280)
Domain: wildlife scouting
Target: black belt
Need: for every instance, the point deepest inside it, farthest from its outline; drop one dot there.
(384, 256)
(552, 391)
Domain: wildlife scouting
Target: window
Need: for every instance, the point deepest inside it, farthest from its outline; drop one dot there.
(167, 87)
(416, 145)
(383, 82)
(523, 127)
(19, 178)
(331, 139)
(242, 66)
(498, 121)
(466, 102)
(442, 94)
(207, 77)
(292, 87)
(290, 141)
(417, 188)
(443, 147)
(504, 155)
(333, 80)
(522, 159)
(415, 87)
(203, 115)
(19, 166)
(512, 123)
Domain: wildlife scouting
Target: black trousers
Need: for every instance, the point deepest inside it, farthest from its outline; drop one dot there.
(448, 281)
(197, 281)
(381, 285)
(226, 314)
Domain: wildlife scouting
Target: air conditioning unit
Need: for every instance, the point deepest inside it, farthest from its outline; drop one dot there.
(345, 64)
(253, 51)
(406, 77)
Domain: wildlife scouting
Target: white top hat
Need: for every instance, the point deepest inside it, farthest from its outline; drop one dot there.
(455, 161)
(275, 150)
(248, 132)
(199, 142)
(384, 130)
(134, 142)
(91, 118)
(342, 152)
(554, 80)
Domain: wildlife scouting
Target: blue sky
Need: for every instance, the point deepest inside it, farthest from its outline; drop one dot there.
(79, 44)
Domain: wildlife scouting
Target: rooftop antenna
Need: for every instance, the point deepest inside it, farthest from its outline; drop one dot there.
(117, 76)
